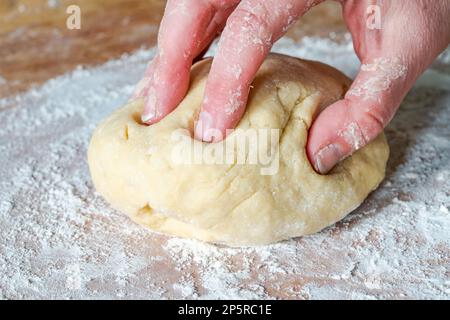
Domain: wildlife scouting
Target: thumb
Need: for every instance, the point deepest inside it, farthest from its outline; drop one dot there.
(351, 123)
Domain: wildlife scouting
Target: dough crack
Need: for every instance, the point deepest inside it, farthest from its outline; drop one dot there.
(292, 117)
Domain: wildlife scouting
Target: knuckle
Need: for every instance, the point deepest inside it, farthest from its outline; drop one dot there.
(364, 125)
(377, 119)
(354, 135)
(370, 124)
(372, 118)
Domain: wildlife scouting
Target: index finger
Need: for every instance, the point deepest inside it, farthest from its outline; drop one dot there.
(246, 40)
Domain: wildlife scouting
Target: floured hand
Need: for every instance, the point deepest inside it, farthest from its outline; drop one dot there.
(411, 35)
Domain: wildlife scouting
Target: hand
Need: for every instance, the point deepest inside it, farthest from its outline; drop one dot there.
(412, 34)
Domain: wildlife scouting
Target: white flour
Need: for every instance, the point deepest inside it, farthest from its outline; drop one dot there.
(61, 240)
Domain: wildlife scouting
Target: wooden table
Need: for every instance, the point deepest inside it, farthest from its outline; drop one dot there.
(59, 239)
(35, 44)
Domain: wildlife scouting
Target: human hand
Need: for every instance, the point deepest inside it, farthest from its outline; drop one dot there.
(187, 28)
(410, 37)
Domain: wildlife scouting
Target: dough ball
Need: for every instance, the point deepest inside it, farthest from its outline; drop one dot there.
(142, 170)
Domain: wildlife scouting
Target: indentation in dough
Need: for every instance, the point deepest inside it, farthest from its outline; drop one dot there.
(280, 100)
(126, 133)
(137, 118)
(289, 95)
(145, 210)
(290, 110)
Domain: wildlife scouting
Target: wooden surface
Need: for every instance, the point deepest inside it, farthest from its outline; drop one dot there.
(35, 44)
(61, 240)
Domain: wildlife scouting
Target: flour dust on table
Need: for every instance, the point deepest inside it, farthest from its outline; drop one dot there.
(61, 240)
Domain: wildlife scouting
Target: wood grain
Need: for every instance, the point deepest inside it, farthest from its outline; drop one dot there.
(35, 44)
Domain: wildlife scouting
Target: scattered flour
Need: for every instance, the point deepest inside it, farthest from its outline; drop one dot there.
(59, 239)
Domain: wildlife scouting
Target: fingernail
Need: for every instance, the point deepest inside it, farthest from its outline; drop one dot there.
(150, 108)
(327, 158)
(203, 127)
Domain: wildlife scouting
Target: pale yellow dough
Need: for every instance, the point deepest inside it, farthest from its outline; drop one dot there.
(132, 165)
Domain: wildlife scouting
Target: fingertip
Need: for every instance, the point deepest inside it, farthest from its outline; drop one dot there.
(204, 130)
(327, 157)
(149, 114)
(325, 147)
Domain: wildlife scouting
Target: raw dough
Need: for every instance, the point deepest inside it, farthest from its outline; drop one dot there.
(133, 167)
